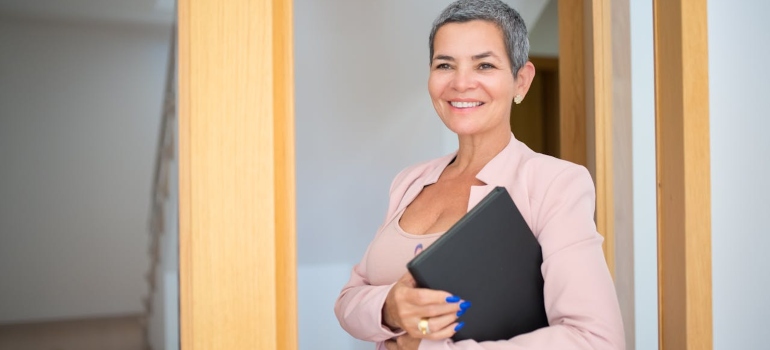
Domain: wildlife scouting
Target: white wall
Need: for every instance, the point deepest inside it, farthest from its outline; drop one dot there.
(739, 45)
(79, 116)
(544, 34)
(362, 114)
(644, 187)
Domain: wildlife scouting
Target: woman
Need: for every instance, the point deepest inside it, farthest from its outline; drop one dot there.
(478, 65)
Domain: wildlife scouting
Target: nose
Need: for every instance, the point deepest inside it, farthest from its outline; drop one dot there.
(463, 80)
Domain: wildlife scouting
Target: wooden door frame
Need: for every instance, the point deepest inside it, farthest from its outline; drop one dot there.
(683, 174)
(594, 55)
(236, 175)
(595, 126)
(212, 301)
(586, 100)
(248, 301)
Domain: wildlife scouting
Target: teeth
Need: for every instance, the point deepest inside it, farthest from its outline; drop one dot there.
(465, 104)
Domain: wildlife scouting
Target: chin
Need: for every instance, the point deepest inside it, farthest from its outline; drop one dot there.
(464, 129)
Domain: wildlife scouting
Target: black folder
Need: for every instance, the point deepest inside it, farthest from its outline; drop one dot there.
(491, 258)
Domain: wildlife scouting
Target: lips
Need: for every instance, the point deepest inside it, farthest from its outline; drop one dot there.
(463, 104)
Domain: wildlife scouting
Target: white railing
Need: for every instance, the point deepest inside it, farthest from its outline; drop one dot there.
(161, 302)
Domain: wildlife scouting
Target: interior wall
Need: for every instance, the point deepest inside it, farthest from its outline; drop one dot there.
(79, 115)
(739, 43)
(362, 114)
(544, 34)
(644, 175)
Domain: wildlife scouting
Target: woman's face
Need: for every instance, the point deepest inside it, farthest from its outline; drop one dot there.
(471, 84)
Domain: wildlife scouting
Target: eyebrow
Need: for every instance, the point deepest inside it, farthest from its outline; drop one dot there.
(484, 55)
(474, 57)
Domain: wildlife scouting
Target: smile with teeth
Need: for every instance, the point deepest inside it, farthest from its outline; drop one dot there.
(465, 104)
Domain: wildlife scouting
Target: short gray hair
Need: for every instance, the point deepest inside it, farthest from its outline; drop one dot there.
(497, 12)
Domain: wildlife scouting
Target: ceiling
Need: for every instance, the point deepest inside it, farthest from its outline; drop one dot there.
(157, 11)
(138, 11)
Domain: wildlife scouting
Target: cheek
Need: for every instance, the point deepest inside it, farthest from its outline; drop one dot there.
(501, 87)
(433, 89)
(436, 85)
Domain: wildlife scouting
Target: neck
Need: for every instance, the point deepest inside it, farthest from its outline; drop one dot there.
(475, 151)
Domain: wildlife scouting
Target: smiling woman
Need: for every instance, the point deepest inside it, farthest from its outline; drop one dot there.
(471, 74)
(478, 68)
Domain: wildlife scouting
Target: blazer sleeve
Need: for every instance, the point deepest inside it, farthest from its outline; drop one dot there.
(359, 306)
(580, 299)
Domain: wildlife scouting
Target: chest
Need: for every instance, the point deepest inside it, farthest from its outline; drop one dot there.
(437, 207)
(391, 250)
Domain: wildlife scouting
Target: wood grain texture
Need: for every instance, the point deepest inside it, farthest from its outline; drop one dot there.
(237, 238)
(572, 83)
(285, 177)
(528, 119)
(622, 165)
(536, 120)
(599, 95)
(683, 172)
(585, 96)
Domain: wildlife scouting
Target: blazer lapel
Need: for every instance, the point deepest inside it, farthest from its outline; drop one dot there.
(498, 172)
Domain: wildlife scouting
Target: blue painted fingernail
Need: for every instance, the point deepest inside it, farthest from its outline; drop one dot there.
(459, 326)
(465, 304)
(461, 312)
(452, 299)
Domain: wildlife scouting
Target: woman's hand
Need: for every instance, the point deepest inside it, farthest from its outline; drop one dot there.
(406, 305)
(404, 342)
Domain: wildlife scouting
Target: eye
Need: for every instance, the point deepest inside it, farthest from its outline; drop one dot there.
(442, 66)
(486, 66)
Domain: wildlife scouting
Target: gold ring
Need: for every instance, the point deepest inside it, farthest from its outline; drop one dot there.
(423, 326)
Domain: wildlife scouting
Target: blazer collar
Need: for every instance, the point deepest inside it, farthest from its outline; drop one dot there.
(499, 171)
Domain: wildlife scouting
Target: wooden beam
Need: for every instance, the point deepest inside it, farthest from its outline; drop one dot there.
(599, 110)
(237, 260)
(572, 82)
(285, 177)
(683, 171)
(622, 166)
(585, 90)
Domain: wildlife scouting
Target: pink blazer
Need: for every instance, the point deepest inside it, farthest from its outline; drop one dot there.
(557, 200)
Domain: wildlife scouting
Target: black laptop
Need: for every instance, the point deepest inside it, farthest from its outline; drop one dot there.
(490, 258)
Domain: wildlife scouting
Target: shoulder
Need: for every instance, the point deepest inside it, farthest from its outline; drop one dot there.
(555, 187)
(544, 173)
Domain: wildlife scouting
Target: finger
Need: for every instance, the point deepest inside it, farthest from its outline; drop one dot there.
(391, 345)
(436, 324)
(439, 318)
(426, 297)
(446, 332)
(446, 312)
(440, 322)
(417, 303)
(445, 308)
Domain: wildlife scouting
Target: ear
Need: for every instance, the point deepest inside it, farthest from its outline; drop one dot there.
(524, 78)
